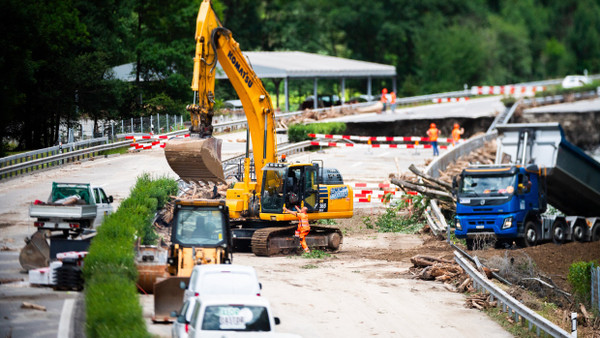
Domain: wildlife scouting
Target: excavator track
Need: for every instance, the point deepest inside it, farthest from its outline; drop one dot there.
(281, 240)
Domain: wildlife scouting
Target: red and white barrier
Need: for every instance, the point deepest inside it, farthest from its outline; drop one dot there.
(159, 141)
(378, 138)
(377, 192)
(391, 146)
(506, 90)
(450, 99)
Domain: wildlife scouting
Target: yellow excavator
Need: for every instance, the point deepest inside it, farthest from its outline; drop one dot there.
(252, 212)
(269, 183)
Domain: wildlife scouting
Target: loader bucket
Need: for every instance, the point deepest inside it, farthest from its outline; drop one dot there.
(168, 297)
(36, 253)
(195, 159)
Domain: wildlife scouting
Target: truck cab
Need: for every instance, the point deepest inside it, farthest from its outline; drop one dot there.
(497, 201)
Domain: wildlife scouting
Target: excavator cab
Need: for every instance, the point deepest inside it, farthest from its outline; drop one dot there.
(290, 186)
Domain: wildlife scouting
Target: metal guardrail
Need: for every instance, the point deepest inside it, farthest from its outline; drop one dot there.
(514, 308)
(56, 159)
(35, 154)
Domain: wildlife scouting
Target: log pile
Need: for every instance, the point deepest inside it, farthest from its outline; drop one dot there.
(432, 268)
(441, 188)
(483, 155)
(480, 301)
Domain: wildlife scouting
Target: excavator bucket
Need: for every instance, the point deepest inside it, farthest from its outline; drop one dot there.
(196, 159)
(36, 253)
(168, 297)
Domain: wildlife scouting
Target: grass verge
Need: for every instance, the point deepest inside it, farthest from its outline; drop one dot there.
(112, 305)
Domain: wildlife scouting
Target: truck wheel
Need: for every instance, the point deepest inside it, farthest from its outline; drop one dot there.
(578, 233)
(530, 237)
(596, 233)
(559, 232)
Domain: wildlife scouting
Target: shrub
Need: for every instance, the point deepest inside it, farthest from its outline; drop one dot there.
(580, 279)
(404, 217)
(110, 274)
(299, 132)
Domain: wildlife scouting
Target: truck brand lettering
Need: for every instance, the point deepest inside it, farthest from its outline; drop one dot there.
(241, 71)
(339, 193)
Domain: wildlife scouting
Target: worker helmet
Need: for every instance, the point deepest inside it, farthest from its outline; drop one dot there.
(456, 125)
(384, 90)
(432, 125)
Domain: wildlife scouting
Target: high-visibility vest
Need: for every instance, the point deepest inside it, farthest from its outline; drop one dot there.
(303, 220)
(433, 134)
(393, 99)
(383, 98)
(456, 134)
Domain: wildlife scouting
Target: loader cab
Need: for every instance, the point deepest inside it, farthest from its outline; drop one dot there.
(290, 185)
(200, 226)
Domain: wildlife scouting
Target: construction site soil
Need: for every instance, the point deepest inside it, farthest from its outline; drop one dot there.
(550, 259)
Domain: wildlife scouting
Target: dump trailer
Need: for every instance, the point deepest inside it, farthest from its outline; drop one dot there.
(535, 166)
(65, 222)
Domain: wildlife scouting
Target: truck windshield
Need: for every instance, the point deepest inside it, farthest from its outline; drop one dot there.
(236, 318)
(199, 227)
(488, 185)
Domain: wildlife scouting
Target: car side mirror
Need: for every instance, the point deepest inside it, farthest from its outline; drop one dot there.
(173, 313)
(277, 321)
(260, 286)
(182, 285)
(110, 199)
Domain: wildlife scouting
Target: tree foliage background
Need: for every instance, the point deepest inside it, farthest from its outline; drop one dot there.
(57, 55)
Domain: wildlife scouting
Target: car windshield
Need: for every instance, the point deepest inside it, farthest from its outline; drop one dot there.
(204, 227)
(236, 318)
(488, 185)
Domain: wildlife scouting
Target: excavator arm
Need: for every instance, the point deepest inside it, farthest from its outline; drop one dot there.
(215, 43)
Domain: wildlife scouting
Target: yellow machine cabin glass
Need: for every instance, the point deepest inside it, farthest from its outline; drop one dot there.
(204, 227)
(272, 193)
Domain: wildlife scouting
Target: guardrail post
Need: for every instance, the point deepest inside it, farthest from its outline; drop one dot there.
(573, 324)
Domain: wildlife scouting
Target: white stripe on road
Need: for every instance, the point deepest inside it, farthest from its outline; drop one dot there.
(65, 319)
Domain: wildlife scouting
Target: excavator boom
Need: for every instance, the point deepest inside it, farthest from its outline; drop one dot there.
(194, 159)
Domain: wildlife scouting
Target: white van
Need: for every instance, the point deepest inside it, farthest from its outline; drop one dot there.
(222, 279)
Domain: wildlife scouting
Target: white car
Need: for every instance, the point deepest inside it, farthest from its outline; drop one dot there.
(222, 279)
(181, 325)
(234, 316)
(573, 81)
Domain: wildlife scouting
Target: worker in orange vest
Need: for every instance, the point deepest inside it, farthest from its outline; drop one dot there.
(393, 101)
(433, 134)
(384, 100)
(456, 132)
(303, 226)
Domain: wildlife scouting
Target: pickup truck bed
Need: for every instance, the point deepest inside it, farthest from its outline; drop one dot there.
(62, 211)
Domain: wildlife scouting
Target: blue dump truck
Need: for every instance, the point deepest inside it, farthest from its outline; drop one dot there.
(535, 167)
